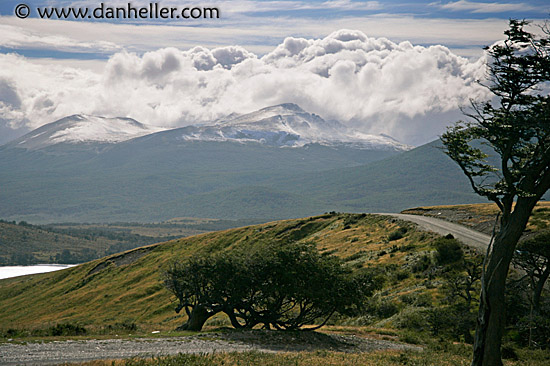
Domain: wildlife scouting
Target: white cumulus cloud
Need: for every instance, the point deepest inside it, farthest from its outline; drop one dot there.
(374, 84)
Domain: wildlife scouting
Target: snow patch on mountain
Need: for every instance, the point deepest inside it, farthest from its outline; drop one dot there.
(82, 128)
(285, 125)
(110, 130)
(288, 125)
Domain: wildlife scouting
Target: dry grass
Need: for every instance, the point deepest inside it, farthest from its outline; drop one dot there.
(133, 293)
(457, 355)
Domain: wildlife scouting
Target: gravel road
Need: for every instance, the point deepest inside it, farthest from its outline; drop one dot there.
(58, 352)
(470, 237)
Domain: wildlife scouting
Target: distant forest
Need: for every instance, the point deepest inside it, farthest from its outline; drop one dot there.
(22, 243)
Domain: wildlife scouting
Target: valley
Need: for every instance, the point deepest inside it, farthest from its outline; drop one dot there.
(219, 171)
(128, 289)
(125, 201)
(26, 244)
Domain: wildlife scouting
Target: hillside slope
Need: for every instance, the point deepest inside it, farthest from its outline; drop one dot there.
(24, 244)
(127, 288)
(424, 175)
(481, 216)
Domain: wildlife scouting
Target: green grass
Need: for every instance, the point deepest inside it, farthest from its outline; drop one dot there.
(448, 355)
(114, 297)
(133, 293)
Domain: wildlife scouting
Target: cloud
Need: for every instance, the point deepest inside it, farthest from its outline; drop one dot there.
(475, 7)
(257, 34)
(245, 6)
(19, 37)
(373, 84)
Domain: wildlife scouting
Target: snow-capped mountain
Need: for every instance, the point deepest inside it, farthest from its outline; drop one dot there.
(81, 128)
(288, 125)
(285, 125)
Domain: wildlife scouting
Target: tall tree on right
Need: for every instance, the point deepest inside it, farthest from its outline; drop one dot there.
(514, 126)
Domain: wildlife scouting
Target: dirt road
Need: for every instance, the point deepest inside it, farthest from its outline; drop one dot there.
(58, 352)
(468, 236)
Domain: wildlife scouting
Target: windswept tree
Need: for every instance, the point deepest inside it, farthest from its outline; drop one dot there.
(461, 288)
(280, 286)
(533, 256)
(514, 126)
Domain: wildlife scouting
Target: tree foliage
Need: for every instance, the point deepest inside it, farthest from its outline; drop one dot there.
(515, 124)
(281, 286)
(514, 127)
(461, 288)
(533, 256)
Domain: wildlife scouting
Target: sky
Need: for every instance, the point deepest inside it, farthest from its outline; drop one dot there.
(402, 68)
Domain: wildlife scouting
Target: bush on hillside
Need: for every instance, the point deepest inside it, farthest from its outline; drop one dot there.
(449, 250)
(397, 234)
(281, 286)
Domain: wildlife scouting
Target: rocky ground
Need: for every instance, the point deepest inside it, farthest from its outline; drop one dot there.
(59, 352)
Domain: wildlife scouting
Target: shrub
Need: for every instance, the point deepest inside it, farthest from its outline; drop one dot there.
(66, 329)
(448, 251)
(412, 318)
(397, 234)
(384, 309)
(402, 274)
(422, 264)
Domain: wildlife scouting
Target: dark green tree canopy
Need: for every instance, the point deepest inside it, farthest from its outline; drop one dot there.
(514, 127)
(281, 286)
(533, 256)
(515, 124)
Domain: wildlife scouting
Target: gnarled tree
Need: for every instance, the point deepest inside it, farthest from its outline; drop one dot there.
(533, 256)
(515, 125)
(281, 286)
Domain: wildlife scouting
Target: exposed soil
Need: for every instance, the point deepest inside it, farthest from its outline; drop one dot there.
(59, 352)
(125, 258)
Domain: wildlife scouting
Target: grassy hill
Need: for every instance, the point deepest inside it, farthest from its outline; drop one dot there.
(22, 243)
(123, 293)
(127, 288)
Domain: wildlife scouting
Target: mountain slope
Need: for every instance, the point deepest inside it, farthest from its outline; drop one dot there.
(157, 177)
(412, 178)
(281, 125)
(127, 288)
(57, 173)
(83, 129)
(288, 125)
(168, 174)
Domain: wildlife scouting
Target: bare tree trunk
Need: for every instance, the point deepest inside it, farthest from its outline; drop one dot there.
(196, 320)
(492, 309)
(537, 291)
(491, 316)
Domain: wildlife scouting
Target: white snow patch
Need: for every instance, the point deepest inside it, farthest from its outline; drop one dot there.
(110, 130)
(289, 125)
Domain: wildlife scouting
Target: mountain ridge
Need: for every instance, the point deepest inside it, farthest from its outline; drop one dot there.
(283, 125)
(162, 175)
(82, 128)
